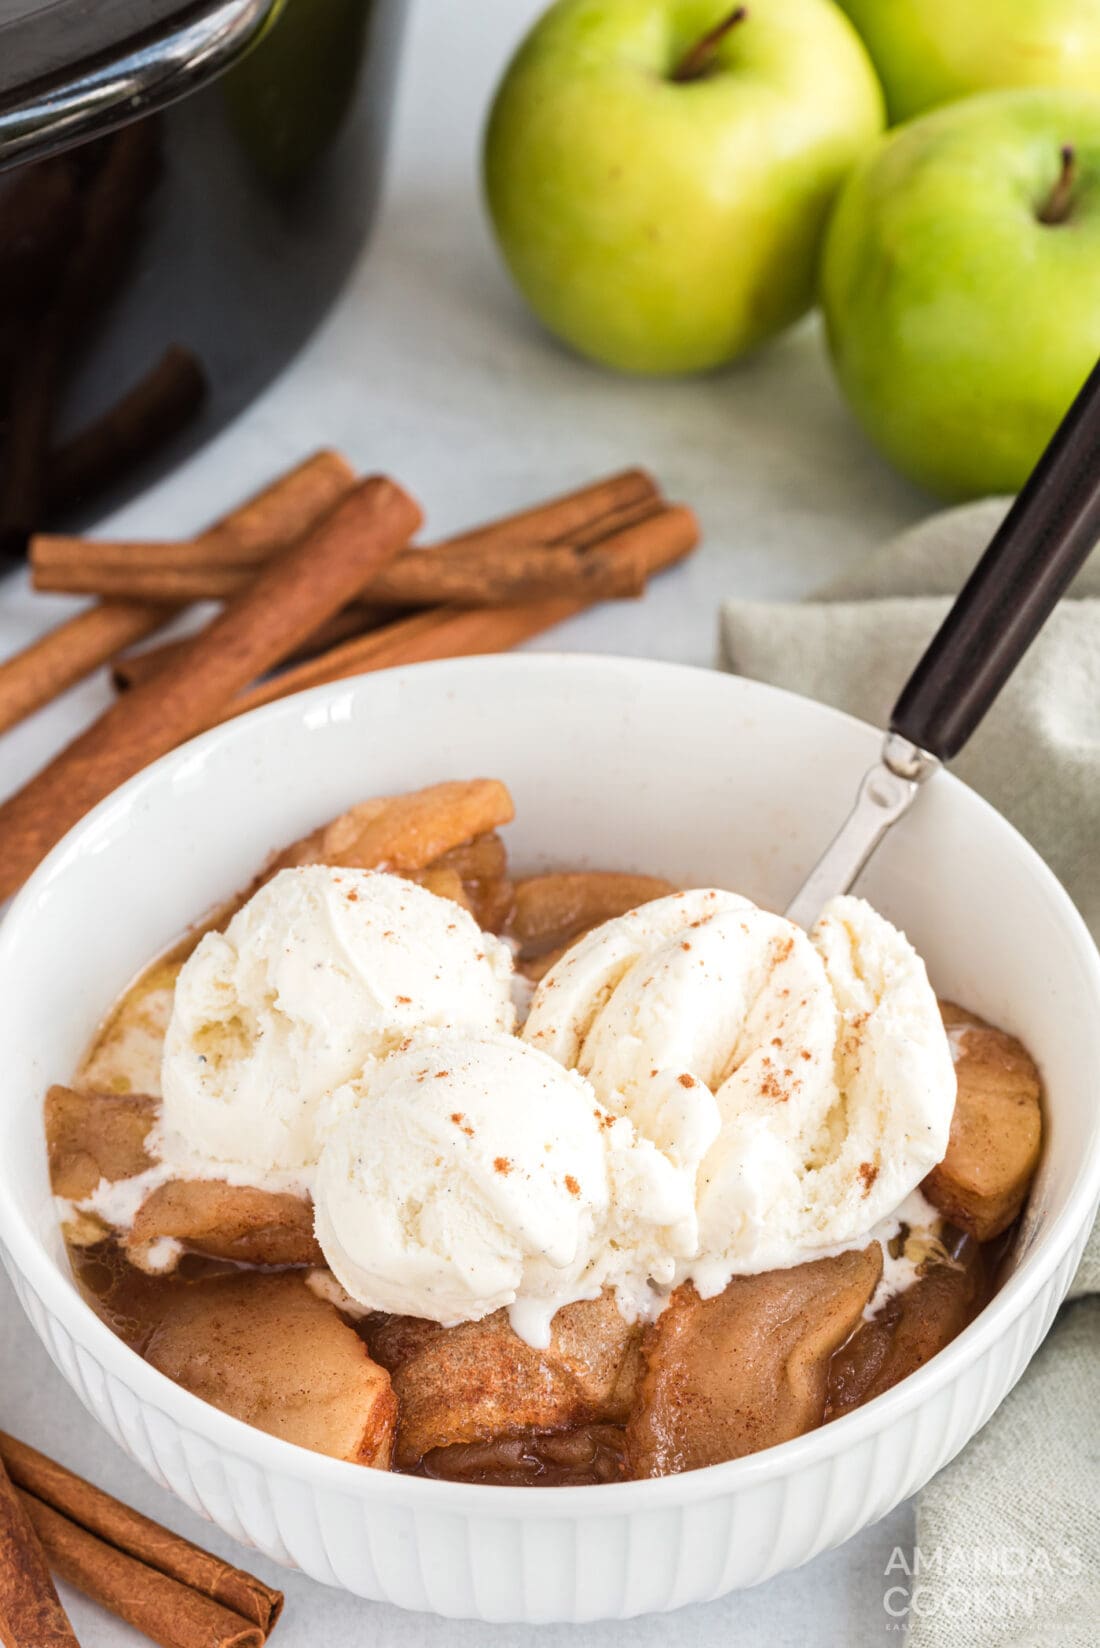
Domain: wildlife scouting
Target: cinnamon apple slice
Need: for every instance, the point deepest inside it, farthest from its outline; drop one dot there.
(909, 1329)
(96, 1138)
(551, 910)
(267, 1350)
(996, 1130)
(476, 876)
(748, 1368)
(126, 1053)
(480, 1380)
(404, 832)
(256, 1227)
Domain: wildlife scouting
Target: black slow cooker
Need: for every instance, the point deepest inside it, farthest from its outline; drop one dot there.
(183, 188)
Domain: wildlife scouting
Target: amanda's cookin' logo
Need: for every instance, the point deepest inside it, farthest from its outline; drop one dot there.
(1006, 1582)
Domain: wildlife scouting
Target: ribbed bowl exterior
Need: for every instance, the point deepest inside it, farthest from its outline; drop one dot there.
(581, 1567)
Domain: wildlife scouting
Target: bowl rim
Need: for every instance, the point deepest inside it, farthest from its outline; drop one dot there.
(57, 1294)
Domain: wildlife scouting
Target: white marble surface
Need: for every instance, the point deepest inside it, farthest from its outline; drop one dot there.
(431, 369)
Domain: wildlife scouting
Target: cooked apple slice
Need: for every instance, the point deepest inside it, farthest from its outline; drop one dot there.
(485, 858)
(268, 1351)
(580, 1457)
(444, 883)
(996, 1130)
(479, 1380)
(552, 910)
(480, 869)
(747, 1369)
(535, 968)
(94, 1136)
(404, 832)
(126, 1053)
(256, 1227)
(395, 1340)
(909, 1329)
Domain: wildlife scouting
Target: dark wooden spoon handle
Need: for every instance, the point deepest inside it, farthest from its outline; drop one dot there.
(1041, 544)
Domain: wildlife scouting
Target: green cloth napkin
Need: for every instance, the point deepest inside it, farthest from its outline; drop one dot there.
(1008, 1534)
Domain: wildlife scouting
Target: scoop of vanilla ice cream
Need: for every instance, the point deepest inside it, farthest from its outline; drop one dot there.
(803, 1083)
(464, 1175)
(321, 970)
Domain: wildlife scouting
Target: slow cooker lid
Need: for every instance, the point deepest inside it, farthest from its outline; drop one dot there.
(72, 68)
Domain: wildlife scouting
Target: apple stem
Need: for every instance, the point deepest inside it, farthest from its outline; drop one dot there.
(1060, 198)
(699, 59)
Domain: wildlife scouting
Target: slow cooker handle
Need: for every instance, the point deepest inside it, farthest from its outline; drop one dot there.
(60, 86)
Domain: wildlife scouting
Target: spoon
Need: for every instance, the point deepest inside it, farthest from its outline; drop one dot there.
(1029, 564)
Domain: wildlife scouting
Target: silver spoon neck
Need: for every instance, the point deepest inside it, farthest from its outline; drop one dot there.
(887, 791)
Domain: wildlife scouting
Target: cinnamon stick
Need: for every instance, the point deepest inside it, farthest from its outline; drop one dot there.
(357, 618)
(455, 632)
(164, 1610)
(444, 632)
(31, 1615)
(501, 572)
(65, 655)
(558, 519)
(278, 514)
(149, 415)
(494, 574)
(267, 522)
(620, 501)
(655, 540)
(602, 526)
(290, 597)
(138, 1536)
(79, 565)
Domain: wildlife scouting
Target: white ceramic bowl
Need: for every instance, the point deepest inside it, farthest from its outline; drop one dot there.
(621, 763)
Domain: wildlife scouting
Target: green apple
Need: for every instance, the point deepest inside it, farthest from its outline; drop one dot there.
(961, 285)
(659, 172)
(933, 51)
